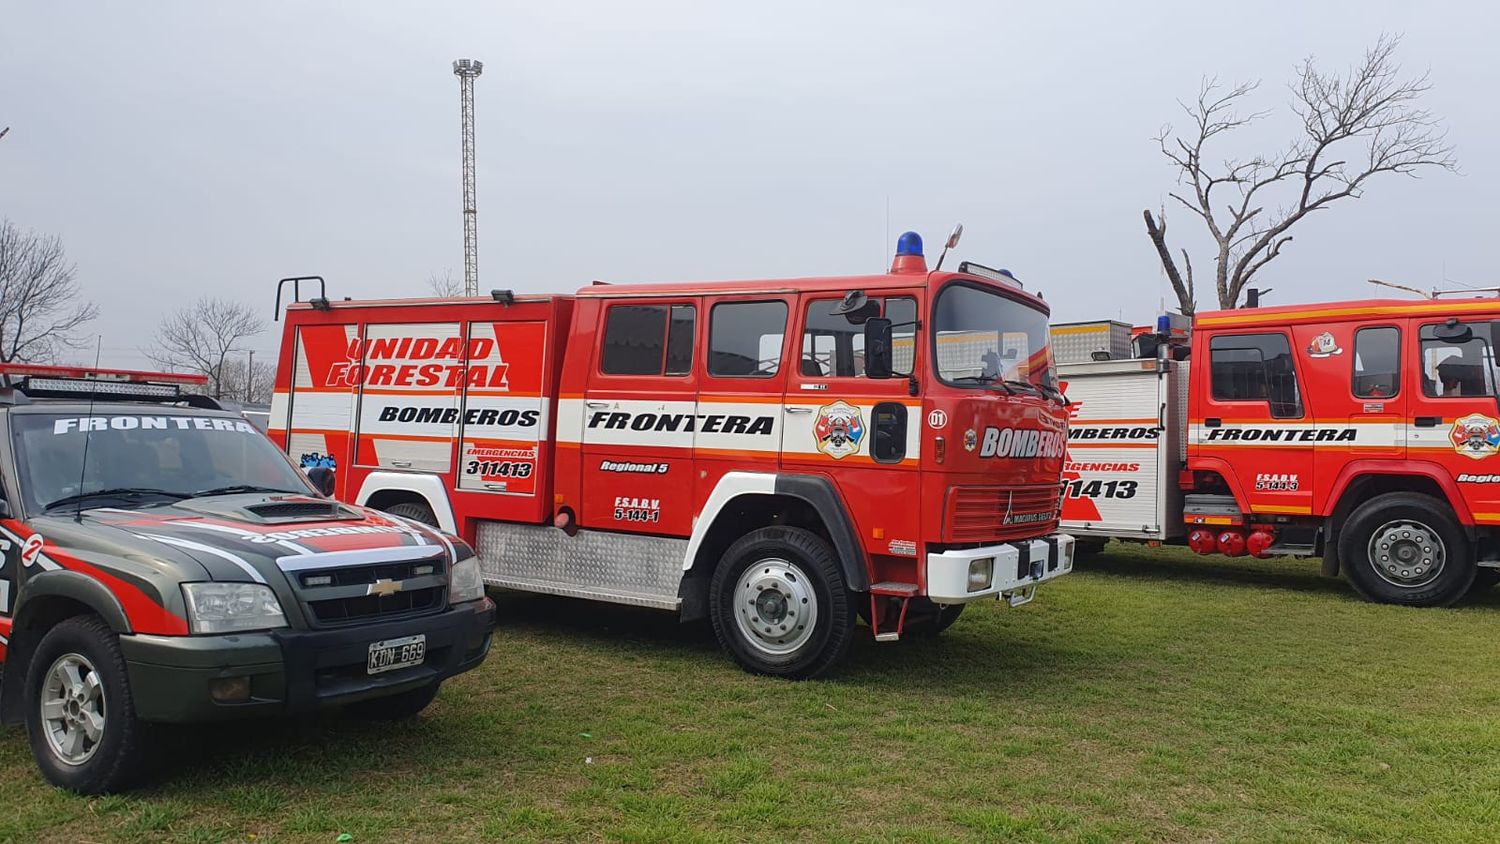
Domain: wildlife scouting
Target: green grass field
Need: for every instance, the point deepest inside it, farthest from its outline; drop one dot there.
(1151, 696)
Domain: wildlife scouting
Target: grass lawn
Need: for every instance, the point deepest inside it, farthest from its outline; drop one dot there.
(1151, 696)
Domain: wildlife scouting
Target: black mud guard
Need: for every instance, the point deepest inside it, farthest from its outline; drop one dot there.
(59, 583)
(820, 494)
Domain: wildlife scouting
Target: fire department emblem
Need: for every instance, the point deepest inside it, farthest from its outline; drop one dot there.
(971, 440)
(839, 429)
(1476, 436)
(1323, 346)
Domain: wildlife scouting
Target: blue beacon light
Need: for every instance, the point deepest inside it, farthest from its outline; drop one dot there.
(910, 243)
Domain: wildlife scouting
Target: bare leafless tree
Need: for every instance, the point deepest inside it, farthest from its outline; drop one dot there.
(1354, 126)
(201, 337)
(40, 314)
(257, 389)
(445, 286)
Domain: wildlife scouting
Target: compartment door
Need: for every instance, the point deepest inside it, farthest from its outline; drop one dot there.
(504, 420)
(1118, 465)
(409, 406)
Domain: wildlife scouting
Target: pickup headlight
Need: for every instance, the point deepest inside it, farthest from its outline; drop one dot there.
(231, 607)
(465, 583)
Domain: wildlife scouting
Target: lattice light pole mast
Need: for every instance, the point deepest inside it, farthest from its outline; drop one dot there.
(467, 70)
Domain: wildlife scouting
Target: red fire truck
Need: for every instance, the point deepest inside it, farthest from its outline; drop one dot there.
(1365, 433)
(778, 456)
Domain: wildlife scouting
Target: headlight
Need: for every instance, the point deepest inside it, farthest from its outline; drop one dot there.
(465, 584)
(981, 573)
(231, 607)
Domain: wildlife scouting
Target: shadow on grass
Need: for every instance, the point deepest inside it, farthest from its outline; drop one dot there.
(1283, 573)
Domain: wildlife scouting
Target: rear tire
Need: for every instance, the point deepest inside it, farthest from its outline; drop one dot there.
(416, 511)
(1406, 548)
(779, 605)
(398, 707)
(80, 712)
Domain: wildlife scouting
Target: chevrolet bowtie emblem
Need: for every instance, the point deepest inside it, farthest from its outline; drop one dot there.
(385, 587)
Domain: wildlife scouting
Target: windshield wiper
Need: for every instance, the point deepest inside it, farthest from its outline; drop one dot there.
(984, 381)
(239, 488)
(115, 492)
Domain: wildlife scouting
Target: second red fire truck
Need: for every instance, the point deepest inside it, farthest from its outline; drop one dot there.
(777, 456)
(1364, 433)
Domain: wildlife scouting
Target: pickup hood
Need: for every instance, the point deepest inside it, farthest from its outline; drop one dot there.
(230, 537)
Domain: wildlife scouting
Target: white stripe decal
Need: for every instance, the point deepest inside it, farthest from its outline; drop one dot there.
(4, 641)
(206, 549)
(242, 534)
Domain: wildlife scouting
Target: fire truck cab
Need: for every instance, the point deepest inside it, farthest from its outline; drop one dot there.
(1364, 432)
(777, 456)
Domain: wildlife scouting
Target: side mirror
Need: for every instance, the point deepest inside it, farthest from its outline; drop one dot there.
(878, 361)
(322, 480)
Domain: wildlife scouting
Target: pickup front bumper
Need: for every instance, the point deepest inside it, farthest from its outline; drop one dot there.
(294, 671)
(1010, 570)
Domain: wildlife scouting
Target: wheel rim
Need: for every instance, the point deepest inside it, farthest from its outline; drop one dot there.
(72, 709)
(1407, 554)
(776, 608)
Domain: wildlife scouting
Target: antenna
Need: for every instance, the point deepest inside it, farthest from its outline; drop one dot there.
(88, 433)
(1424, 294)
(467, 70)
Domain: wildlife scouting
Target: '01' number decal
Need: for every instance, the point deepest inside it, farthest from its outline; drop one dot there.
(1101, 489)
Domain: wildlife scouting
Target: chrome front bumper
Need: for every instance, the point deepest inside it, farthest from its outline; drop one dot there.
(1014, 571)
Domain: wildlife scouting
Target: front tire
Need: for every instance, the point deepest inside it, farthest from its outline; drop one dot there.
(1406, 548)
(80, 712)
(779, 604)
(415, 511)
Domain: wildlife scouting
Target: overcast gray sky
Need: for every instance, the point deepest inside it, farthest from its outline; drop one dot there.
(190, 148)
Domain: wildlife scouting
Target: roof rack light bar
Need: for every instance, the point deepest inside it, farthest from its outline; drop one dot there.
(87, 374)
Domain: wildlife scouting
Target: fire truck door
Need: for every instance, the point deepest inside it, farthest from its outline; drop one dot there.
(1255, 424)
(1453, 416)
(408, 406)
(740, 411)
(1377, 411)
(640, 414)
(864, 430)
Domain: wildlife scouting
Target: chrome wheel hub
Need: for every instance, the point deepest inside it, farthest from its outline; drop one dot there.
(775, 606)
(1407, 554)
(72, 707)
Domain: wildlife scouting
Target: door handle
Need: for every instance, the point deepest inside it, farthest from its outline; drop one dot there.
(793, 409)
(1427, 421)
(1213, 422)
(597, 405)
(401, 464)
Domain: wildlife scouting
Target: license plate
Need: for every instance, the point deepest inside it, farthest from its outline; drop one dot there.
(394, 654)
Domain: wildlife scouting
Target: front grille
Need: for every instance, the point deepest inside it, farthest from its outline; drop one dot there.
(1000, 513)
(337, 596)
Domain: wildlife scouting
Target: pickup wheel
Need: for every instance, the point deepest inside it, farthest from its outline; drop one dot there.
(415, 511)
(80, 713)
(396, 707)
(1406, 548)
(779, 604)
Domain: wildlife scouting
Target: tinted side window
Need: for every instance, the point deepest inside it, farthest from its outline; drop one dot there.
(1255, 367)
(834, 347)
(1458, 367)
(1377, 359)
(639, 340)
(745, 339)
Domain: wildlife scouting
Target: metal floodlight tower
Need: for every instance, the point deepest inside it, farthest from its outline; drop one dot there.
(467, 70)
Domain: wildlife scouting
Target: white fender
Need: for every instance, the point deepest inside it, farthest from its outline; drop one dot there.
(429, 487)
(730, 486)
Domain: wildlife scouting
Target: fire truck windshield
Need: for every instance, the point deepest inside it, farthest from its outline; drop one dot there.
(140, 458)
(983, 337)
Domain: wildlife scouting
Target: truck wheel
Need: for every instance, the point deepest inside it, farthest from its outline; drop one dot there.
(415, 511)
(1405, 548)
(1083, 548)
(80, 714)
(397, 707)
(779, 604)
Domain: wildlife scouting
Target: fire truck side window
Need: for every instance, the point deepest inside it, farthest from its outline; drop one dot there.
(745, 339)
(834, 347)
(648, 340)
(1377, 360)
(1255, 367)
(1453, 368)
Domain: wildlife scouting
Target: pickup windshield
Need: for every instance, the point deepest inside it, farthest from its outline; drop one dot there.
(983, 337)
(143, 459)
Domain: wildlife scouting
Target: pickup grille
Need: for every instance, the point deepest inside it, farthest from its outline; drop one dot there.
(1000, 513)
(356, 593)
